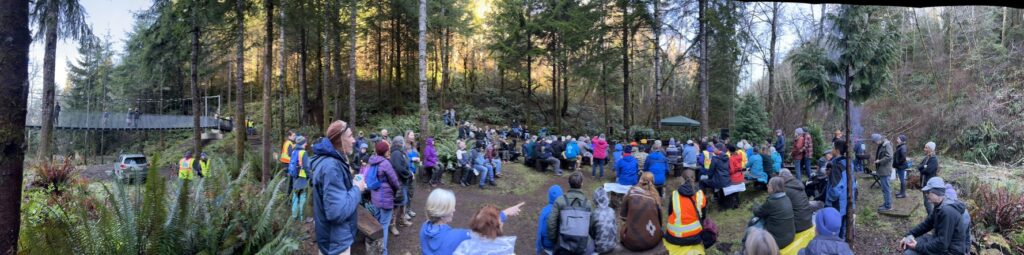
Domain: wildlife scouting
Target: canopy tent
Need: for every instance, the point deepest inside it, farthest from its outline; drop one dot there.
(679, 121)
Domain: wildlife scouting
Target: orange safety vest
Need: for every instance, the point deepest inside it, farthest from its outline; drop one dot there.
(185, 171)
(286, 150)
(681, 223)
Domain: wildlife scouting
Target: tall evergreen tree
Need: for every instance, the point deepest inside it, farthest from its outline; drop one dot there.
(14, 22)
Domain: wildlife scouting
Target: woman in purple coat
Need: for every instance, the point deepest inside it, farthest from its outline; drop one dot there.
(430, 163)
(383, 198)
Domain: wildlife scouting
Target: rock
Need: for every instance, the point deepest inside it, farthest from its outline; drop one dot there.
(998, 242)
(990, 252)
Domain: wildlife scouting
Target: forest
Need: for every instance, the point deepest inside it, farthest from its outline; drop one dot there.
(950, 75)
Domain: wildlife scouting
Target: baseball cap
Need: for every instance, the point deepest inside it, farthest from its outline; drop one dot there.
(935, 185)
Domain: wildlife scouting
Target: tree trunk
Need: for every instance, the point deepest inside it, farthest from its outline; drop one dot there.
(14, 87)
(703, 72)
(424, 132)
(268, 62)
(657, 65)
(352, 65)
(626, 108)
(336, 81)
(240, 127)
(445, 60)
(282, 64)
(194, 79)
(849, 218)
(303, 93)
(49, 72)
(325, 67)
(771, 61)
(380, 60)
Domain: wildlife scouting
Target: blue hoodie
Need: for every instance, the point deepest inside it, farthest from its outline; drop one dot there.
(690, 154)
(625, 170)
(441, 239)
(617, 155)
(756, 165)
(657, 164)
(335, 200)
(543, 241)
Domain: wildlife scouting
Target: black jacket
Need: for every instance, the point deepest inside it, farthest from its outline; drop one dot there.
(777, 214)
(719, 174)
(929, 167)
(400, 161)
(899, 159)
(947, 227)
(802, 211)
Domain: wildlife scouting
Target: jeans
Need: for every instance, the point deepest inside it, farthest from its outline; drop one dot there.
(486, 175)
(799, 165)
(598, 163)
(902, 175)
(858, 166)
(298, 204)
(886, 191)
(554, 162)
(806, 167)
(496, 165)
(384, 218)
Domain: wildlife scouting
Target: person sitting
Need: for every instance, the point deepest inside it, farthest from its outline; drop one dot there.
(586, 151)
(569, 222)
(687, 209)
(486, 237)
(626, 168)
(641, 212)
(465, 162)
(617, 154)
(690, 152)
(604, 230)
(760, 242)
(675, 157)
(528, 156)
(718, 177)
(657, 164)
(481, 167)
(547, 157)
(827, 242)
(756, 166)
(776, 214)
(768, 161)
(546, 244)
(945, 222)
(776, 160)
(802, 207)
(571, 153)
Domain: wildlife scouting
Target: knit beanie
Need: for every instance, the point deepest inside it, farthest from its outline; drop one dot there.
(828, 221)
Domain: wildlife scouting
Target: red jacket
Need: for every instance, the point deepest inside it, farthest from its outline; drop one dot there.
(798, 149)
(736, 168)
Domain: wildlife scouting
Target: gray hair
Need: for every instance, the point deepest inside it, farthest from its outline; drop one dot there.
(930, 146)
(398, 142)
(785, 173)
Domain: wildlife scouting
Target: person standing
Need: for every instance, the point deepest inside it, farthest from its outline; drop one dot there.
(836, 189)
(204, 165)
(187, 166)
(383, 198)
(430, 163)
(929, 167)
(899, 162)
(298, 171)
(798, 153)
(400, 162)
(780, 141)
(414, 159)
(883, 166)
(285, 156)
(600, 146)
(336, 195)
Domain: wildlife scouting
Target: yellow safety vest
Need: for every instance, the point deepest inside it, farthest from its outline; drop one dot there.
(684, 225)
(743, 155)
(204, 167)
(185, 171)
(302, 168)
(707, 160)
(286, 150)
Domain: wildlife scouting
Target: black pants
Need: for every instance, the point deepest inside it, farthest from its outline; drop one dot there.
(467, 174)
(435, 174)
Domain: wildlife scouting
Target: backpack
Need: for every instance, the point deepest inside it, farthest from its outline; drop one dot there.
(574, 227)
(372, 181)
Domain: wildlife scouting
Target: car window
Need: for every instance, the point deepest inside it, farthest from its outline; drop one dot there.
(136, 161)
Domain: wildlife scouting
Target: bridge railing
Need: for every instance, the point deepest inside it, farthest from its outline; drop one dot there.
(119, 121)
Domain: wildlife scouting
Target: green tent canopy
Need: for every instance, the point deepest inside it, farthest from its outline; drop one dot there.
(679, 121)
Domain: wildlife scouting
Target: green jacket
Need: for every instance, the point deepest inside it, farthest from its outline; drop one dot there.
(560, 203)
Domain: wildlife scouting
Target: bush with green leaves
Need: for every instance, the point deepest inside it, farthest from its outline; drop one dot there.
(219, 214)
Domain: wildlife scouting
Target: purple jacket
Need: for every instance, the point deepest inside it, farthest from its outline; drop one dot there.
(430, 154)
(384, 197)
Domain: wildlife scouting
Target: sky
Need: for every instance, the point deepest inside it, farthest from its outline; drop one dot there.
(111, 19)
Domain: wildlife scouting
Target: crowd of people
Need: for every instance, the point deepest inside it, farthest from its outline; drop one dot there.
(344, 171)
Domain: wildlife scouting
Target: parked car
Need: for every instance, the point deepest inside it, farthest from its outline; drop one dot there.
(130, 167)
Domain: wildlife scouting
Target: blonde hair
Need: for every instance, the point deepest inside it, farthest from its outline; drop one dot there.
(647, 184)
(440, 205)
(760, 242)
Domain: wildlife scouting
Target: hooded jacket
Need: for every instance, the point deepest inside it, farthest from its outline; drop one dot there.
(835, 195)
(802, 211)
(719, 174)
(384, 197)
(777, 214)
(626, 170)
(642, 229)
(479, 245)
(947, 227)
(826, 245)
(602, 224)
(400, 162)
(441, 239)
(776, 162)
(618, 153)
(883, 154)
(736, 168)
(690, 154)
(543, 240)
(429, 154)
(600, 147)
(335, 200)
(657, 164)
(756, 165)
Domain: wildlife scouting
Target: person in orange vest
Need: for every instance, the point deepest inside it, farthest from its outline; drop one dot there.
(688, 209)
(187, 167)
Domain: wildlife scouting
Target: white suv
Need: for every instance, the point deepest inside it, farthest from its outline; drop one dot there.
(131, 167)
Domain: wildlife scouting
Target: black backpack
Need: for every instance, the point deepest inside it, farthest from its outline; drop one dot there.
(574, 228)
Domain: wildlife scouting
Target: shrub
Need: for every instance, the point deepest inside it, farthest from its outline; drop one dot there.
(1000, 210)
(54, 177)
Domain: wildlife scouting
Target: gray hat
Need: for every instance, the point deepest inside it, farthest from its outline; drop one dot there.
(300, 140)
(876, 137)
(935, 185)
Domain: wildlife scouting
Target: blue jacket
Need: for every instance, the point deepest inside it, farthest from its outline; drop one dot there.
(826, 245)
(780, 143)
(293, 166)
(690, 154)
(617, 155)
(441, 239)
(657, 164)
(836, 196)
(548, 149)
(626, 170)
(335, 200)
(412, 165)
(756, 166)
(572, 150)
(776, 162)
(543, 240)
(718, 175)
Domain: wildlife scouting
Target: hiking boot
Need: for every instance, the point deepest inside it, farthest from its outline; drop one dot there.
(492, 183)
(394, 230)
(410, 213)
(884, 209)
